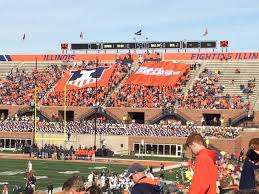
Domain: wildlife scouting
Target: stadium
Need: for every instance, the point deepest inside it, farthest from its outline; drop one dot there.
(134, 99)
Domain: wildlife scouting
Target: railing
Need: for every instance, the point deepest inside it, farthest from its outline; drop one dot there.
(254, 103)
(112, 116)
(239, 118)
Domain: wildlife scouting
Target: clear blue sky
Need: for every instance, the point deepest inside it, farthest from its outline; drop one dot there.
(47, 23)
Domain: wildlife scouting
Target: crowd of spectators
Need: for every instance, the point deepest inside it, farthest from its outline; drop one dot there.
(248, 89)
(206, 93)
(87, 96)
(222, 132)
(19, 86)
(175, 129)
(16, 126)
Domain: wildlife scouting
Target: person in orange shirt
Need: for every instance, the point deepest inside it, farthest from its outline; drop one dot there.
(205, 170)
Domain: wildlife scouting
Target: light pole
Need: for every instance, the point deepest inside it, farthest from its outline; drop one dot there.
(96, 100)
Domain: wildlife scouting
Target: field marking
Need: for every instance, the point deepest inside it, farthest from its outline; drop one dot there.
(70, 172)
(97, 167)
(11, 173)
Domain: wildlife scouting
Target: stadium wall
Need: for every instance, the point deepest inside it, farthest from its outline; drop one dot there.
(13, 109)
(111, 141)
(114, 142)
(150, 113)
(17, 135)
(196, 114)
(78, 111)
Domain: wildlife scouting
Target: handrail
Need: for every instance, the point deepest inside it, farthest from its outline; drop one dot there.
(239, 117)
(254, 103)
(87, 114)
(113, 116)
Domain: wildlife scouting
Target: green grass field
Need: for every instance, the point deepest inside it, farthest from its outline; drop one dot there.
(13, 171)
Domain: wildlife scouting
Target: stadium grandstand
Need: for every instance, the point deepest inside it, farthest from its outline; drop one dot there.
(118, 92)
(134, 103)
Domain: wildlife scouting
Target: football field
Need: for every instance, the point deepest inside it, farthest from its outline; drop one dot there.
(13, 171)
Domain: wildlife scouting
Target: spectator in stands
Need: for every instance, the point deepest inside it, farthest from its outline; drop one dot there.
(74, 185)
(173, 188)
(214, 122)
(144, 185)
(94, 189)
(173, 129)
(205, 171)
(237, 70)
(39, 192)
(205, 93)
(251, 165)
(18, 88)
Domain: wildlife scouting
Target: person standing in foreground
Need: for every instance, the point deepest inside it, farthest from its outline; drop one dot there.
(143, 185)
(251, 165)
(205, 170)
(73, 185)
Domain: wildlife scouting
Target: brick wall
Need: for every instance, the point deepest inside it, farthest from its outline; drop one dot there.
(196, 114)
(19, 135)
(150, 113)
(114, 142)
(79, 111)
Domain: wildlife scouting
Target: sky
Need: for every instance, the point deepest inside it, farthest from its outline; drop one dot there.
(48, 23)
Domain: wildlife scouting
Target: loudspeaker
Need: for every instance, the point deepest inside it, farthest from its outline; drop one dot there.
(121, 145)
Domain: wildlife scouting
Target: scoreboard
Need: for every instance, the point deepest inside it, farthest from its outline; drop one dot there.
(143, 45)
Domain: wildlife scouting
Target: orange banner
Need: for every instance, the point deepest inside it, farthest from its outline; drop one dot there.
(113, 57)
(158, 74)
(84, 78)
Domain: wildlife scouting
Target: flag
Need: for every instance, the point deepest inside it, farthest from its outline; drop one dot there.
(205, 33)
(75, 79)
(23, 38)
(138, 33)
(81, 35)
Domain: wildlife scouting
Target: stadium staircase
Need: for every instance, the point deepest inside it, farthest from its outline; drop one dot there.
(194, 74)
(29, 66)
(100, 111)
(235, 121)
(256, 106)
(248, 71)
(107, 97)
(169, 113)
(39, 114)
